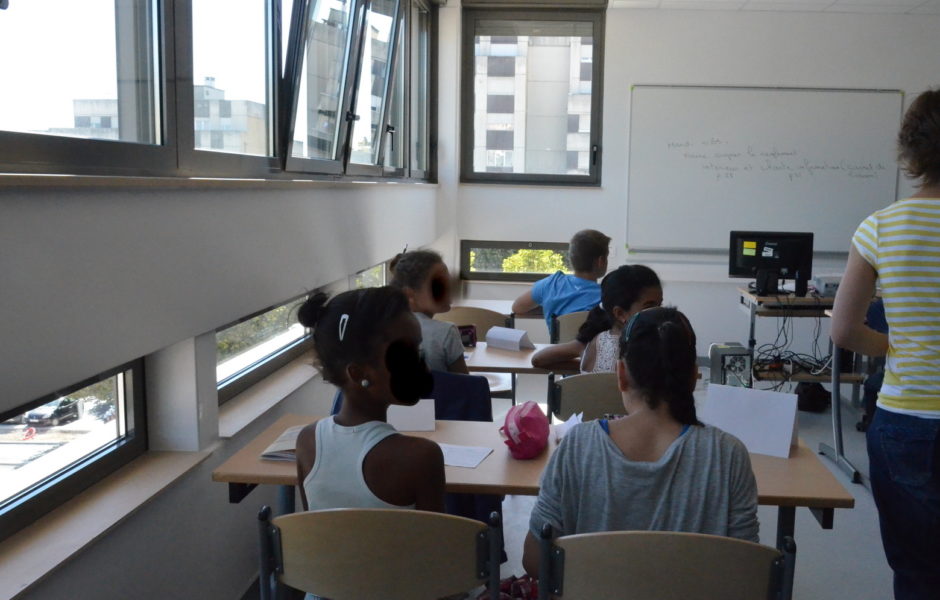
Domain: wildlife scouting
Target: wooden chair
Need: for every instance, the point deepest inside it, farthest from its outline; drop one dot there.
(375, 553)
(482, 319)
(663, 565)
(565, 327)
(594, 394)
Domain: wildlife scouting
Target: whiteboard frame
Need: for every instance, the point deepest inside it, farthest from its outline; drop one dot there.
(716, 251)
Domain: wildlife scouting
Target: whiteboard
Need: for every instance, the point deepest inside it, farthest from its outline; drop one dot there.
(708, 160)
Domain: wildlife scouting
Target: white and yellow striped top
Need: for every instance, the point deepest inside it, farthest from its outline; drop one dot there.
(902, 243)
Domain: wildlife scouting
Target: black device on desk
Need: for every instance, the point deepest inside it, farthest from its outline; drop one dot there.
(770, 256)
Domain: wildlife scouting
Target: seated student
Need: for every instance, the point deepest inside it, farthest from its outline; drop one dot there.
(624, 292)
(424, 278)
(658, 468)
(367, 344)
(560, 294)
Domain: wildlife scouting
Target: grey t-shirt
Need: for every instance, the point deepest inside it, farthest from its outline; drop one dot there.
(440, 342)
(702, 484)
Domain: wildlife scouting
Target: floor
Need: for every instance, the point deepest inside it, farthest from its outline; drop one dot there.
(846, 562)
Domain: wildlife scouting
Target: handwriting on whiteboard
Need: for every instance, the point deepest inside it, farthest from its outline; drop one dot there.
(725, 160)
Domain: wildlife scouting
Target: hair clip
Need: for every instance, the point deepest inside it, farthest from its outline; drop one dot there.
(343, 321)
(405, 249)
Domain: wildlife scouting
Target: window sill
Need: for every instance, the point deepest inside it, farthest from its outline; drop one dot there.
(34, 552)
(288, 182)
(243, 409)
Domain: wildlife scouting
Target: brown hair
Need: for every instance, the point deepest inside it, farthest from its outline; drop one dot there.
(919, 138)
(586, 247)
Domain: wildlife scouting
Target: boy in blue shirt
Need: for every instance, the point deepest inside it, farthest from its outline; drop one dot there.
(560, 294)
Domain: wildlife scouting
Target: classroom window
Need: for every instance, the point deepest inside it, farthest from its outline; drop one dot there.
(378, 45)
(57, 445)
(421, 89)
(372, 277)
(258, 345)
(548, 63)
(512, 261)
(199, 89)
(77, 111)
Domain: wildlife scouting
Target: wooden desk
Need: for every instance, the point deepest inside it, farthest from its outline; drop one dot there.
(801, 480)
(494, 360)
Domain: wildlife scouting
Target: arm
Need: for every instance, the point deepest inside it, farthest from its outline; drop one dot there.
(306, 451)
(742, 506)
(851, 304)
(524, 303)
(548, 357)
(454, 352)
(589, 356)
(530, 555)
(429, 483)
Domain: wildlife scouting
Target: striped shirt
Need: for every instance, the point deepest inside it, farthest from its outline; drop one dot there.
(902, 243)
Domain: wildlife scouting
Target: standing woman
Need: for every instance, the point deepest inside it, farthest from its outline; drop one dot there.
(900, 245)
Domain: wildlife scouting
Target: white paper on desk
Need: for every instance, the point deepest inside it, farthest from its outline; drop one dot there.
(464, 456)
(562, 428)
(419, 417)
(765, 421)
(508, 339)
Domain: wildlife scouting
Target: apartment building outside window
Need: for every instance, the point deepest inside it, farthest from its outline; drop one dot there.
(528, 78)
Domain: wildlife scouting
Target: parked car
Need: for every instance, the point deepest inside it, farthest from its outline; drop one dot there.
(55, 412)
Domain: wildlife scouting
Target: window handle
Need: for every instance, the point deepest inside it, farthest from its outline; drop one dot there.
(594, 150)
(351, 116)
(389, 129)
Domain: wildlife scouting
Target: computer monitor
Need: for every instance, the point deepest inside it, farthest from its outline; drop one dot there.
(769, 256)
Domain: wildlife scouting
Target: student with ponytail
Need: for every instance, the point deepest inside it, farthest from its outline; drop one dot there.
(658, 468)
(366, 342)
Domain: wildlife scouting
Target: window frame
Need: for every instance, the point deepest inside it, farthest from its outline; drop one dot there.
(468, 275)
(175, 156)
(29, 505)
(468, 99)
(36, 153)
(243, 379)
(209, 163)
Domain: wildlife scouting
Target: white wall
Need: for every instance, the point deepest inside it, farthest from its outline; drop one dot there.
(702, 48)
(91, 278)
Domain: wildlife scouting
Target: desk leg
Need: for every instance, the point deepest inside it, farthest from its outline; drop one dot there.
(512, 378)
(786, 523)
(837, 454)
(285, 499)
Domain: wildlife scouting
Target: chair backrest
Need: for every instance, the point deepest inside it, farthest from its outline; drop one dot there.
(481, 318)
(377, 553)
(594, 394)
(565, 327)
(648, 565)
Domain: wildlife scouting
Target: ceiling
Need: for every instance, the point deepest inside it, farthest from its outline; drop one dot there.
(915, 7)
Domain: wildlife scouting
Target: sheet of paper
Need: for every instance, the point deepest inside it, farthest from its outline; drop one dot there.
(562, 428)
(506, 338)
(419, 417)
(765, 421)
(464, 456)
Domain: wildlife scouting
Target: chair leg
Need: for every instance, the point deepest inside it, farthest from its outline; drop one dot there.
(496, 546)
(545, 562)
(264, 537)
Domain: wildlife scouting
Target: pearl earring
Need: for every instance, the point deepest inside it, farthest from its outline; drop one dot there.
(364, 383)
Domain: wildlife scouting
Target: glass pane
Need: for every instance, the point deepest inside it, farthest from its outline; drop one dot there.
(373, 76)
(420, 86)
(371, 277)
(230, 77)
(530, 259)
(395, 133)
(94, 81)
(249, 342)
(40, 442)
(531, 79)
(316, 124)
